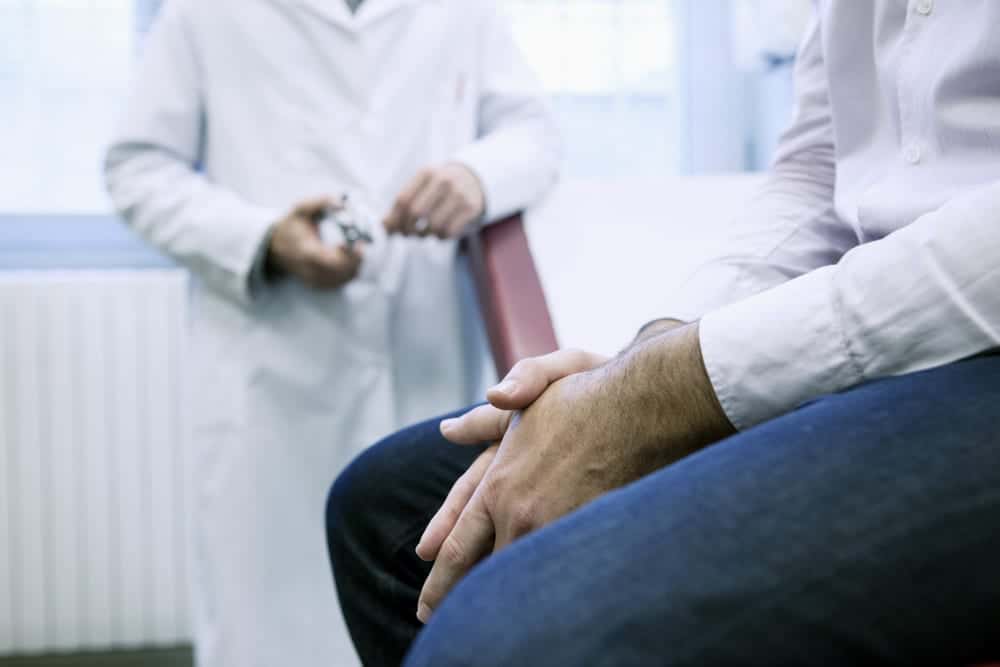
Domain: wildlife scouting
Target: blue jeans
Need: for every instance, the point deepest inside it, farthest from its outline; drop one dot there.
(862, 528)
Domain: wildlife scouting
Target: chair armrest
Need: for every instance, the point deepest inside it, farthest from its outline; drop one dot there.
(517, 319)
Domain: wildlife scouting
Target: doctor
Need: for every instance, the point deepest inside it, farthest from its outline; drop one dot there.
(247, 120)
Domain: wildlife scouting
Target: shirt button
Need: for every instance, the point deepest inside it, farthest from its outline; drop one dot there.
(912, 154)
(925, 7)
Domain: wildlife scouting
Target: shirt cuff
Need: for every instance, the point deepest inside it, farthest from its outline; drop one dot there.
(773, 351)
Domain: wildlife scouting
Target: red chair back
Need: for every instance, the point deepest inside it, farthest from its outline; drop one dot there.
(511, 297)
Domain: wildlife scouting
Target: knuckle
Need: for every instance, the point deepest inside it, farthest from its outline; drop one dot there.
(502, 421)
(431, 594)
(492, 488)
(523, 517)
(451, 511)
(527, 367)
(453, 553)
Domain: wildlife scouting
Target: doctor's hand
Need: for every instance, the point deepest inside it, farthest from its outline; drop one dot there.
(439, 201)
(488, 423)
(586, 435)
(297, 249)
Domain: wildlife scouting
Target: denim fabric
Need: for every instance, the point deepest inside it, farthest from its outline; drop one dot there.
(861, 528)
(376, 512)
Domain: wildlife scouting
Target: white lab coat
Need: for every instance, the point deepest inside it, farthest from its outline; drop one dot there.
(276, 101)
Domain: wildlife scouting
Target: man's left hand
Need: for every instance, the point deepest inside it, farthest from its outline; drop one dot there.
(588, 434)
(439, 201)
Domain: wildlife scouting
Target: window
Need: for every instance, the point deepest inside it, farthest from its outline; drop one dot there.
(609, 66)
(63, 67)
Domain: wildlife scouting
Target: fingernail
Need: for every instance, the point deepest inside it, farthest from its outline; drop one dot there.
(506, 387)
(423, 612)
(448, 424)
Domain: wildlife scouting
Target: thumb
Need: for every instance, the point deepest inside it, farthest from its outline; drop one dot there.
(315, 207)
(531, 377)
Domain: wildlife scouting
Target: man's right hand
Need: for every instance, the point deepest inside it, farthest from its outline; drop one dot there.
(297, 249)
(488, 423)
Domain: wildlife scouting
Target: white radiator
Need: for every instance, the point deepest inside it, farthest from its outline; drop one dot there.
(93, 486)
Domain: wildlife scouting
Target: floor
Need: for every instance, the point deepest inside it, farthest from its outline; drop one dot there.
(177, 657)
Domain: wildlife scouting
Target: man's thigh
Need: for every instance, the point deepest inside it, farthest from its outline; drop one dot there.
(401, 481)
(860, 528)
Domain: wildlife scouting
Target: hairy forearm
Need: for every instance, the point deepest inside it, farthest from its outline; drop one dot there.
(663, 388)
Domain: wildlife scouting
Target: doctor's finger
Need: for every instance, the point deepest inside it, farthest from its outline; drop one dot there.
(432, 195)
(529, 378)
(460, 222)
(394, 222)
(332, 267)
(442, 217)
(444, 519)
(485, 423)
(313, 208)
(469, 542)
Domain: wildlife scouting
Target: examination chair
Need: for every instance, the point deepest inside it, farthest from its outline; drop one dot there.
(511, 298)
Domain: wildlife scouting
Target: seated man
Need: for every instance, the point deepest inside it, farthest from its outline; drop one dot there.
(807, 472)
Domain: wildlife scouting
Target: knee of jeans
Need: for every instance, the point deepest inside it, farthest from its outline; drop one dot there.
(442, 645)
(477, 626)
(349, 495)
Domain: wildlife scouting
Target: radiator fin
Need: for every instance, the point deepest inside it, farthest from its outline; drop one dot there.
(93, 490)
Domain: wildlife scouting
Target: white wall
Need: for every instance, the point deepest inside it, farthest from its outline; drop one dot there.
(609, 253)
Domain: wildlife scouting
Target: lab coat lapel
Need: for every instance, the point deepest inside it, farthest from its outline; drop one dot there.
(372, 11)
(334, 11)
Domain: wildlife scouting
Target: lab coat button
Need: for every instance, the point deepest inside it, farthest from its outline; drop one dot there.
(912, 154)
(925, 7)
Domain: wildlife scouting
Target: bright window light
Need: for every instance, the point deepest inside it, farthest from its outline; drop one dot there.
(609, 67)
(65, 65)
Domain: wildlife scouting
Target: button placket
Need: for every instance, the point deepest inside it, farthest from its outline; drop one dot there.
(909, 81)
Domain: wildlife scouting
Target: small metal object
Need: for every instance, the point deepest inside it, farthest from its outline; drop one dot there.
(346, 219)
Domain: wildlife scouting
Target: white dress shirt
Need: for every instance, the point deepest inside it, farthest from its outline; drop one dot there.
(874, 247)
